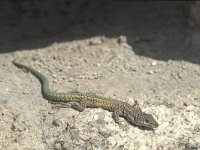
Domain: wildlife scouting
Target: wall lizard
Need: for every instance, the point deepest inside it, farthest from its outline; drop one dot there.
(131, 113)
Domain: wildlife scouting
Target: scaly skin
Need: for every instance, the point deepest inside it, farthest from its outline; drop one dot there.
(132, 114)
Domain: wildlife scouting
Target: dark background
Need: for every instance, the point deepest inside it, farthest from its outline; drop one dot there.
(159, 30)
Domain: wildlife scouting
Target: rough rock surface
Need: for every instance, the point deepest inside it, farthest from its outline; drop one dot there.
(129, 51)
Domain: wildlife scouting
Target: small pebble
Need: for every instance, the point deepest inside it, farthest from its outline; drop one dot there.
(98, 65)
(105, 132)
(56, 123)
(95, 41)
(122, 39)
(25, 91)
(71, 79)
(154, 63)
(150, 72)
(96, 117)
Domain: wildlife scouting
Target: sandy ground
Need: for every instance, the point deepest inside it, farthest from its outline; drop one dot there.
(132, 51)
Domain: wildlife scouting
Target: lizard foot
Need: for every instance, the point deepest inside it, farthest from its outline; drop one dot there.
(57, 105)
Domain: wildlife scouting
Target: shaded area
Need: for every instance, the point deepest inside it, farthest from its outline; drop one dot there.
(157, 30)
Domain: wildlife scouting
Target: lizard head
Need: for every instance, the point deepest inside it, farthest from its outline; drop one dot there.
(143, 120)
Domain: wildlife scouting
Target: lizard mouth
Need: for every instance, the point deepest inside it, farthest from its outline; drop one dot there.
(145, 126)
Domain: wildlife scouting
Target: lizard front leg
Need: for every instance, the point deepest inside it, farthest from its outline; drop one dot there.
(115, 116)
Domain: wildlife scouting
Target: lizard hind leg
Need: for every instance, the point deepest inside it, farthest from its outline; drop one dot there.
(60, 105)
(80, 107)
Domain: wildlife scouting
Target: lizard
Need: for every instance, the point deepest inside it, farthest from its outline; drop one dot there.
(132, 113)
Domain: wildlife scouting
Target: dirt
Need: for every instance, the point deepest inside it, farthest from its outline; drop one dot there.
(131, 51)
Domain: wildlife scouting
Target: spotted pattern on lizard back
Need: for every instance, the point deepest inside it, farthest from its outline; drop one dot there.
(131, 113)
